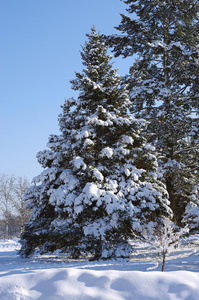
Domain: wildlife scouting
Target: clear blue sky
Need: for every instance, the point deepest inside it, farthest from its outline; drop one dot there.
(39, 53)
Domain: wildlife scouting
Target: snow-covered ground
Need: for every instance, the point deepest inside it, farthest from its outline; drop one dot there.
(56, 278)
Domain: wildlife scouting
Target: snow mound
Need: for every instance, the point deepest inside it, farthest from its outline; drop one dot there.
(74, 284)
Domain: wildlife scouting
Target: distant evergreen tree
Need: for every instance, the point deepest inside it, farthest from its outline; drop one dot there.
(191, 215)
(163, 37)
(100, 183)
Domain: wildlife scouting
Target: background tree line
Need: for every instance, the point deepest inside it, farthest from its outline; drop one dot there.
(12, 211)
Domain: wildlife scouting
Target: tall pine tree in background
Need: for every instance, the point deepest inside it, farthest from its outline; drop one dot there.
(100, 182)
(162, 36)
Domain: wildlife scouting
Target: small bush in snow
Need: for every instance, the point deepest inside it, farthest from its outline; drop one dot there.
(164, 238)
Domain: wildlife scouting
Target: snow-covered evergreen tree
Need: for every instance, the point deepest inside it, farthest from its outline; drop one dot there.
(163, 37)
(191, 215)
(100, 183)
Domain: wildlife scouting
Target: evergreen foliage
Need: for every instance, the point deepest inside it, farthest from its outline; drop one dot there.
(191, 215)
(100, 181)
(163, 38)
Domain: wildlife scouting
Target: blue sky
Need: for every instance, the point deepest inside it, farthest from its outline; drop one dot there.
(40, 43)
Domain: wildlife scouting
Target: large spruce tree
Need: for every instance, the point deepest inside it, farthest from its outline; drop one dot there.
(100, 184)
(162, 36)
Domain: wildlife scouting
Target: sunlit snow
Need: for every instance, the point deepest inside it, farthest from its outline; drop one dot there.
(57, 278)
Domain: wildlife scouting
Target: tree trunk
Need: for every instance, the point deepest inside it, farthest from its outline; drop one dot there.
(7, 230)
(163, 259)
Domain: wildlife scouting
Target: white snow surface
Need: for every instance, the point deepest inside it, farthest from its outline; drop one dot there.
(57, 278)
